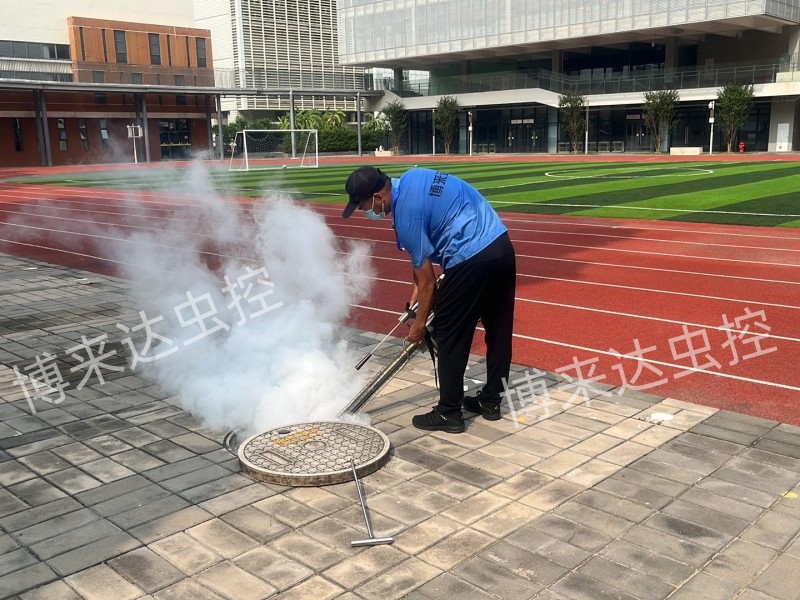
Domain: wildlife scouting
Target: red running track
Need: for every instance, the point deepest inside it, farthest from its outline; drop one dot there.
(713, 309)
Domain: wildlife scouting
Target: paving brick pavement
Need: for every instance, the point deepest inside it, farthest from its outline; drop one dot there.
(117, 493)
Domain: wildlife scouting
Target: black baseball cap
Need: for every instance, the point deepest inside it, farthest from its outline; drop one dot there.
(362, 183)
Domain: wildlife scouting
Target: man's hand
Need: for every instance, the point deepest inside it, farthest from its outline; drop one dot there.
(417, 332)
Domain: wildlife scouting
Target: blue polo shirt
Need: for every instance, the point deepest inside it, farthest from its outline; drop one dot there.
(440, 217)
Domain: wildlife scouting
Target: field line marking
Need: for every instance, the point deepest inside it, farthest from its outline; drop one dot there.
(644, 239)
(629, 251)
(654, 291)
(649, 318)
(677, 271)
(660, 362)
(624, 207)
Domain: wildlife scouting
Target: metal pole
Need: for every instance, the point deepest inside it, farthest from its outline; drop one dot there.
(291, 123)
(220, 140)
(711, 124)
(586, 134)
(433, 126)
(209, 128)
(358, 125)
(469, 130)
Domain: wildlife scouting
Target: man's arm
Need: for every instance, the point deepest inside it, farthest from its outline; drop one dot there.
(425, 281)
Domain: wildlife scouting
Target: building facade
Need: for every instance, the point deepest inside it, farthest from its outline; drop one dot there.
(72, 82)
(278, 44)
(507, 62)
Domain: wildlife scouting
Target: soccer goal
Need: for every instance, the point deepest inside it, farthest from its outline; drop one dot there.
(257, 149)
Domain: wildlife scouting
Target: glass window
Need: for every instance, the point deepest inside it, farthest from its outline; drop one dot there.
(180, 100)
(155, 49)
(137, 78)
(104, 132)
(84, 134)
(100, 98)
(201, 52)
(62, 136)
(180, 79)
(18, 135)
(98, 77)
(120, 46)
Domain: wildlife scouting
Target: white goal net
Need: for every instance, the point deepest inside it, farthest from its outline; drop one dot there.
(258, 149)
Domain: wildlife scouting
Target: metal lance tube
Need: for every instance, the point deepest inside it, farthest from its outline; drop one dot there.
(379, 380)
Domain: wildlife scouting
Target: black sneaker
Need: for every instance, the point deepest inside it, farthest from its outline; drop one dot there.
(436, 421)
(489, 409)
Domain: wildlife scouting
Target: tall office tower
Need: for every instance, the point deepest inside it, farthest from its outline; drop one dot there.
(277, 44)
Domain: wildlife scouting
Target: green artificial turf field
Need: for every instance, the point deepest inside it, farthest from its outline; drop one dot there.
(758, 193)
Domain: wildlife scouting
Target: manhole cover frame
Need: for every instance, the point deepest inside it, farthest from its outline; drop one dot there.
(344, 474)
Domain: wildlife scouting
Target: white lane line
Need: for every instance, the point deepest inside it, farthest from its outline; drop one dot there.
(645, 239)
(608, 353)
(676, 271)
(630, 251)
(655, 291)
(660, 362)
(658, 319)
(643, 208)
(640, 225)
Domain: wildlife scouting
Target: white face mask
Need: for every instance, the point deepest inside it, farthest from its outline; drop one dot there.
(371, 214)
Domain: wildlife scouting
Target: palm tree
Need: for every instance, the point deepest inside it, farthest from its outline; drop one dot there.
(333, 119)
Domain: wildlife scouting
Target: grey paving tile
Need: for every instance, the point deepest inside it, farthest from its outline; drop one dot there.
(703, 585)
(688, 531)
(604, 522)
(495, 579)
(671, 546)
(740, 562)
(706, 517)
(614, 505)
(645, 561)
(230, 581)
(93, 554)
(773, 530)
(16, 560)
(727, 435)
(146, 570)
(187, 590)
(146, 513)
(529, 565)
(102, 582)
(10, 504)
(630, 581)
(70, 540)
(36, 492)
(167, 525)
(728, 506)
(25, 579)
(552, 549)
(449, 586)
(73, 480)
(580, 587)
(576, 534)
(168, 452)
(46, 529)
(58, 590)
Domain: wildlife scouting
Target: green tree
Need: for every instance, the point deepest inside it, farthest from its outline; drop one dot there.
(397, 118)
(333, 119)
(733, 105)
(446, 119)
(572, 107)
(309, 119)
(659, 114)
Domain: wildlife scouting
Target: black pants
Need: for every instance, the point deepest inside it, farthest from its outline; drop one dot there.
(481, 287)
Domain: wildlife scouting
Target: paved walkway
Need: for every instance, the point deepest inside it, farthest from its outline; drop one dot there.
(117, 493)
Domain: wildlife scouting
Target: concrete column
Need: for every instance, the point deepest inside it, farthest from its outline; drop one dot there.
(557, 62)
(40, 133)
(45, 131)
(145, 129)
(209, 128)
(398, 78)
(671, 53)
(794, 46)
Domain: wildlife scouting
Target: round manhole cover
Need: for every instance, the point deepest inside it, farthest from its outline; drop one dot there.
(317, 453)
